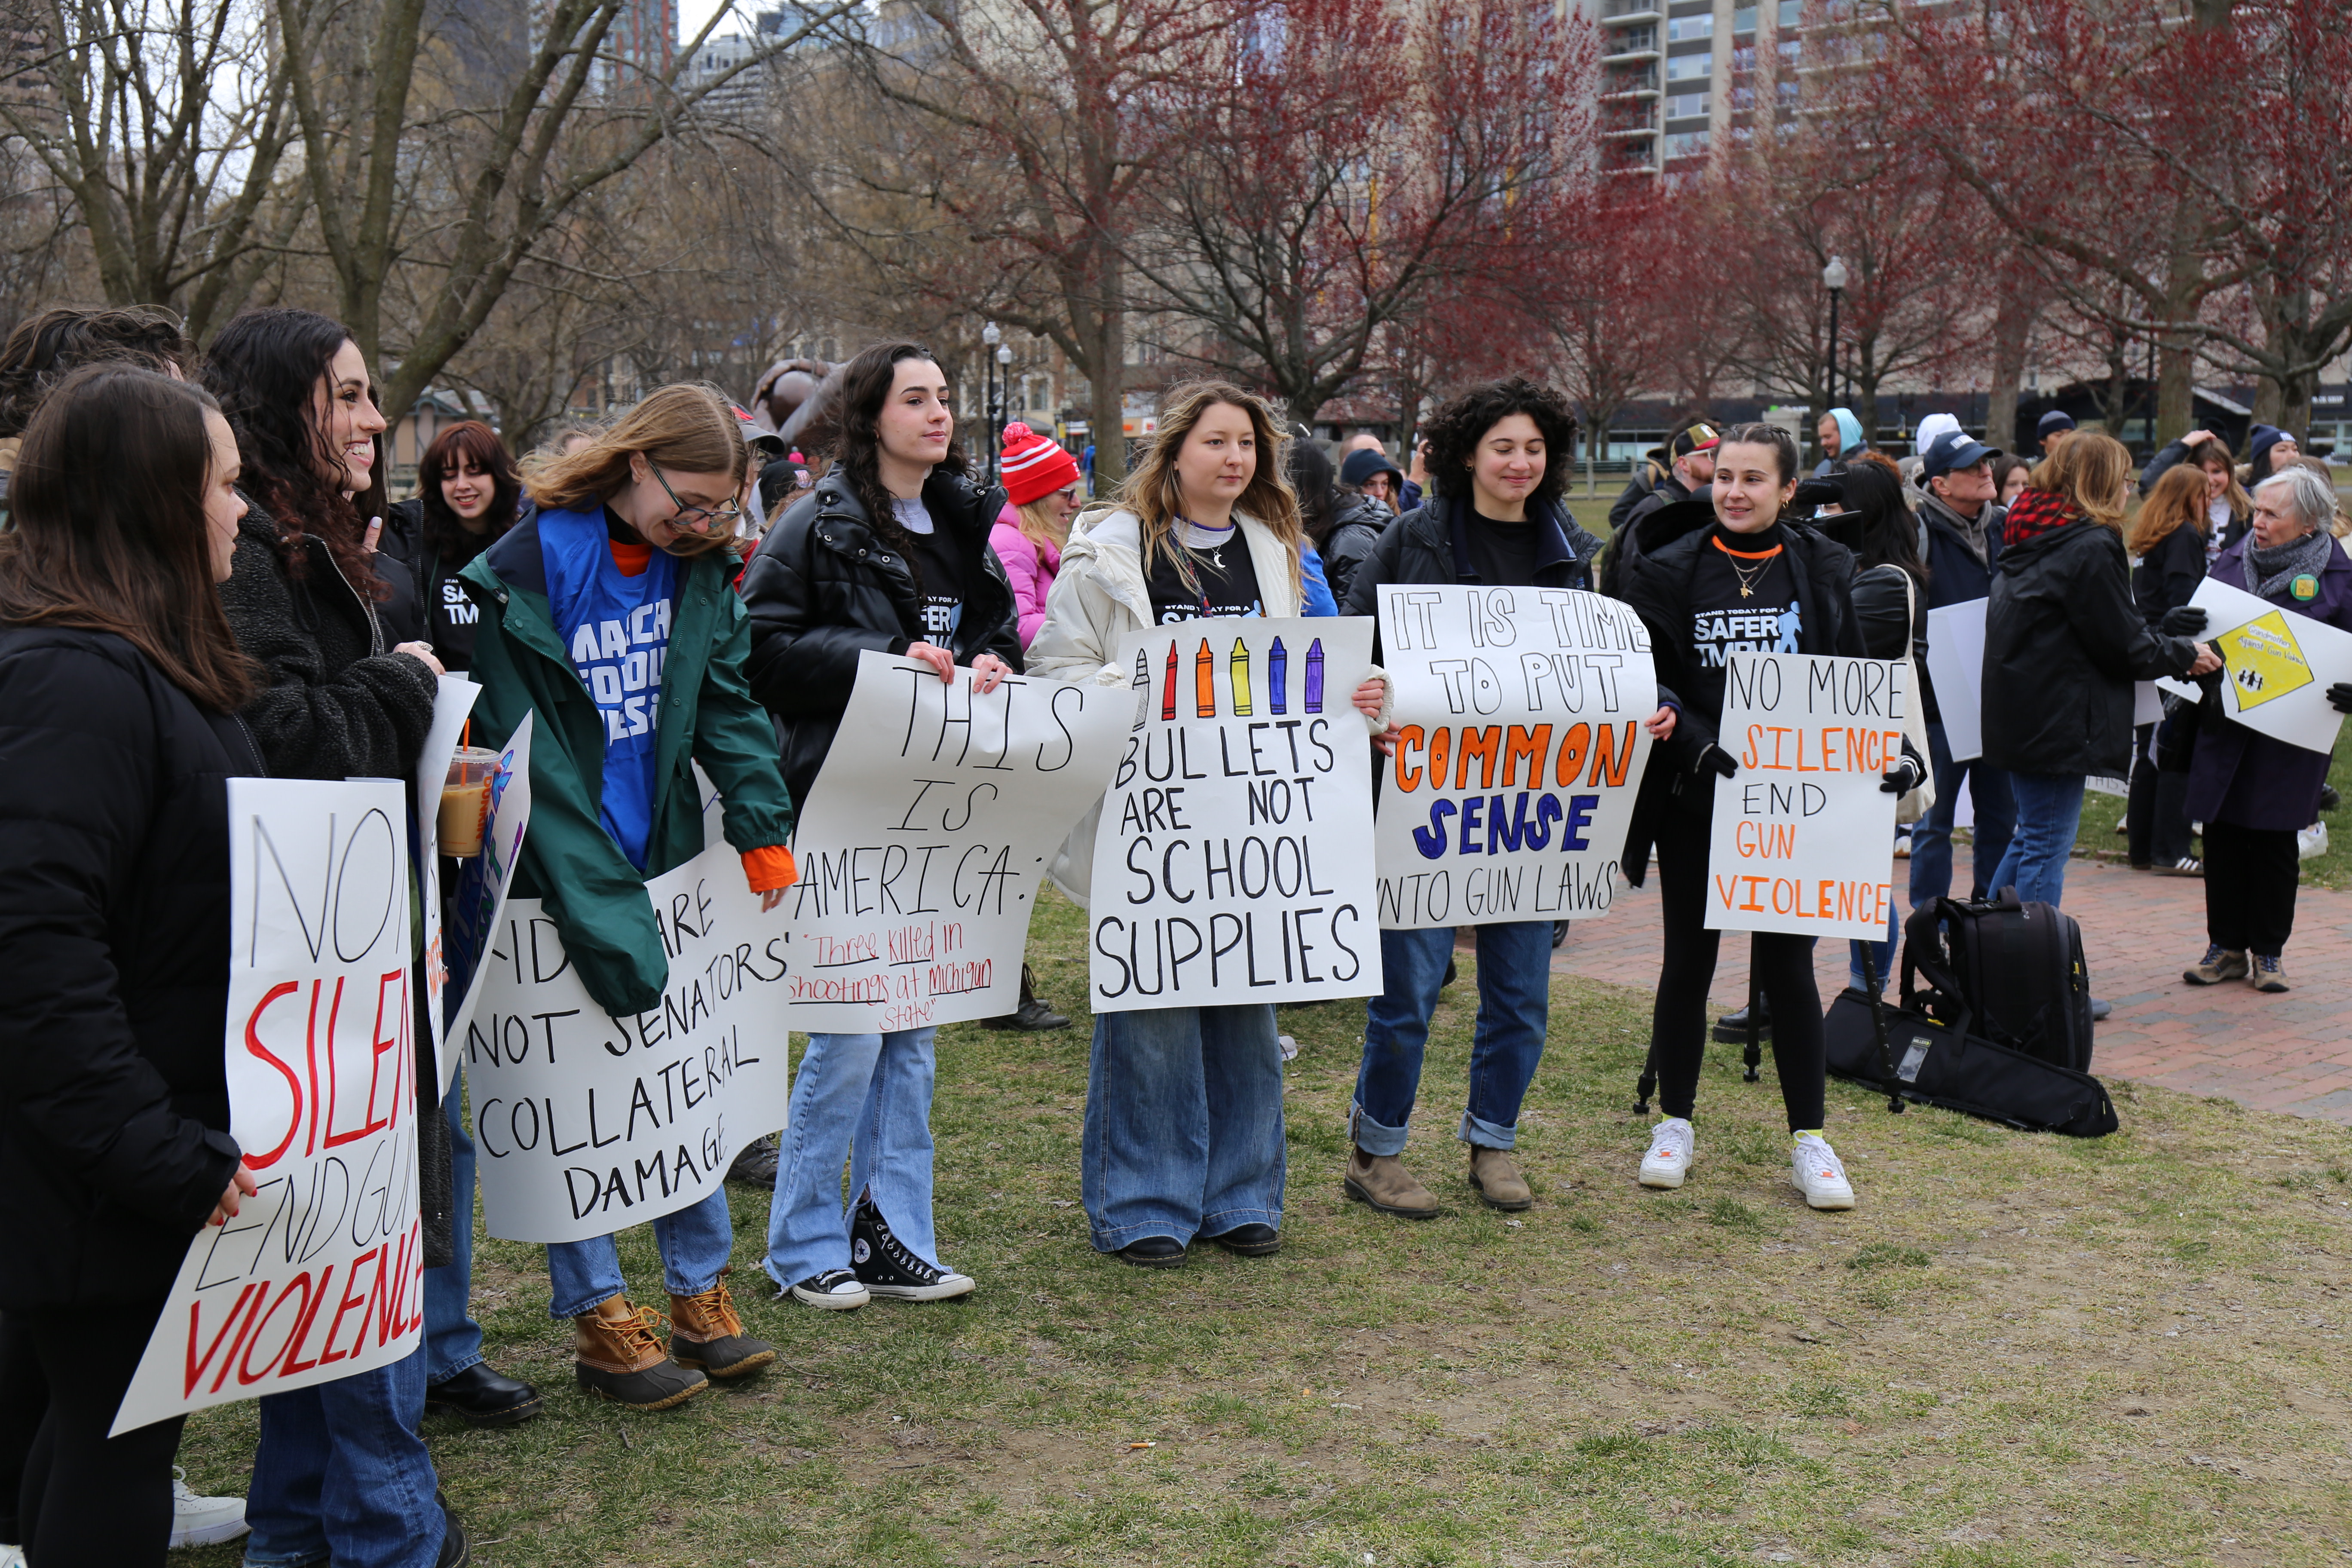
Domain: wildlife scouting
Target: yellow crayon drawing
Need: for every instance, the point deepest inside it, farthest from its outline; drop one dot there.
(2265, 660)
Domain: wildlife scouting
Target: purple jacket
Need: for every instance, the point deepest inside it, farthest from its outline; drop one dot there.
(2253, 781)
(1029, 566)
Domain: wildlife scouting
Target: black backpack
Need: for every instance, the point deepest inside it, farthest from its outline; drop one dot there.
(2003, 971)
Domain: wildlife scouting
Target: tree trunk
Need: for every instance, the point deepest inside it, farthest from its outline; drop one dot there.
(2013, 328)
(1106, 388)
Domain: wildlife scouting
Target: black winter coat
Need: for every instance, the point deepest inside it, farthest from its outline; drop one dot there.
(1431, 544)
(114, 919)
(2168, 575)
(823, 587)
(1892, 624)
(336, 703)
(2064, 642)
(1677, 794)
(1954, 575)
(426, 602)
(1361, 524)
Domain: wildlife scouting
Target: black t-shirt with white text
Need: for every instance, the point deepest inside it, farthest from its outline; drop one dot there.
(939, 571)
(1743, 599)
(1225, 576)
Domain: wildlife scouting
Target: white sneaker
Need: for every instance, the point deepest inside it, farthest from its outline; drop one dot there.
(2311, 843)
(1816, 1171)
(11, 1556)
(196, 1520)
(1673, 1146)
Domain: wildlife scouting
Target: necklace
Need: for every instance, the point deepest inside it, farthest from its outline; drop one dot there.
(1749, 576)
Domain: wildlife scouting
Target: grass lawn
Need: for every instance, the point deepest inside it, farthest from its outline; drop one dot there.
(2096, 835)
(2018, 1349)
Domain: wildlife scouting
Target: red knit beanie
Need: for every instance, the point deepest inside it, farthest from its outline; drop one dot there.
(1034, 466)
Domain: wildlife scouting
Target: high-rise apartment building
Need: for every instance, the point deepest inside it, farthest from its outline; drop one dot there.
(1679, 77)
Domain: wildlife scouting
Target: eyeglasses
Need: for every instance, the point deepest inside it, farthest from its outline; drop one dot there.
(698, 518)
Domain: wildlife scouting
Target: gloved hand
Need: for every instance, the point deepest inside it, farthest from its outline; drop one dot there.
(1717, 760)
(1904, 775)
(2339, 697)
(2185, 621)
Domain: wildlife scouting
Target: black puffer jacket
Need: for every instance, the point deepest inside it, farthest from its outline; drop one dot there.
(1892, 624)
(823, 587)
(2168, 575)
(114, 917)
(336, 703)
(1358, 529)
(2064, 642)
(1431, 545)
(1656, 583)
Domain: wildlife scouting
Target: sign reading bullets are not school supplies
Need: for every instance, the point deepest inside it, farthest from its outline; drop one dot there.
(1521, 752)
(1234, 861)
(924, 841)
(1803, 836)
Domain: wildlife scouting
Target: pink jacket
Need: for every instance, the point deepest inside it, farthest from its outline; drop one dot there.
(1029, 565)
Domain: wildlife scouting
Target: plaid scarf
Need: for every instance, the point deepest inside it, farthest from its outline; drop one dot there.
(2035, 514)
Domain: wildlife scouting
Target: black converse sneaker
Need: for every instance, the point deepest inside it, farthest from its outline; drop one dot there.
(887, 1266)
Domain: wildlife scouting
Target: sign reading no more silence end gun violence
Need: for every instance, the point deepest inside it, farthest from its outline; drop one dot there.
(1803, 835)
(1234, 862)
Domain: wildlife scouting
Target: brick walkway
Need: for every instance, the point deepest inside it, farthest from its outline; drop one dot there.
(2290, 1053)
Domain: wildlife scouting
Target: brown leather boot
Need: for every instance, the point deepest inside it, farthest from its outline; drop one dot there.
(1381, 1181)
(616, 1357)
(705, 1331)
(1496, 1177)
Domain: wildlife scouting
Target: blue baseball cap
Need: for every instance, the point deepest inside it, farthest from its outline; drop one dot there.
(1955, 449)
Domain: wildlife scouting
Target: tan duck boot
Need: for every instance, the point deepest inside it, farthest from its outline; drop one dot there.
(1495, 1176)
(1381, 1181)
(705, 1331)
(616, 1357)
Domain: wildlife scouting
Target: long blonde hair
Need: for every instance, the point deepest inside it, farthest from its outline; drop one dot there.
(1152, 493)
(688, 425)
(2092, 472)
(2177, 502)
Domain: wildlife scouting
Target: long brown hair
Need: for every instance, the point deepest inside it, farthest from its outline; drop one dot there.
(2210, 455)
(2091, 472)
(1152, 494)
(688, 425)
(2177, 502)
(108, 526)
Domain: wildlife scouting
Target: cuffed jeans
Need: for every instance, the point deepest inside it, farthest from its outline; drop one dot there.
(2049, 809)
(1931, 835)
(866, 1098)
(1513, 1009)
(1183, 1133)
(452, 1340)
(694, 1244)
(342, 1475)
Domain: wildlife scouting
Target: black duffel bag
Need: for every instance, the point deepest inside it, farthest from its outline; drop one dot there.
(1907, 1054)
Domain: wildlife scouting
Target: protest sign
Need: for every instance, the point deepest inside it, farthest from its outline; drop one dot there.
(925, 837)
(480, 899)
(1956, 646)
(1234, 859)
(451, 704)
(584, 1123)
(1521, 752)
(318, 1275)
(2277, 664)
(1803, 836)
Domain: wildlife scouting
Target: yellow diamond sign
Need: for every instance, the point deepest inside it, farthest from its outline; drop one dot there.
(2265, 660)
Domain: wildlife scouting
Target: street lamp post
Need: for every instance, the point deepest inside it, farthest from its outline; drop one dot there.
(1834, 279)
(990, 336)
(1003, 409)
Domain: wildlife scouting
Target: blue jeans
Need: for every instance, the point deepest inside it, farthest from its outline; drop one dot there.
(2049, 809)
(694, 1244)
(452, 1340)
(1183, 1133)
(1882, 953)
(866, 1098)
(1513, 1009)
(1931, 835)
(342, 1475)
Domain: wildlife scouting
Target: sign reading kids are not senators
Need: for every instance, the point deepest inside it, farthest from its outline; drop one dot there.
(319, 1275)
(1521, 752)
(1803, 836)
(1233, 861)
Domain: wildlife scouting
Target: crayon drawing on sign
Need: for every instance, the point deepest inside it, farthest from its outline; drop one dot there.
(2277, 664)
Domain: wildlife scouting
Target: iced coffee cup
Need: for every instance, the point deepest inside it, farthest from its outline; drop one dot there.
(465, 801)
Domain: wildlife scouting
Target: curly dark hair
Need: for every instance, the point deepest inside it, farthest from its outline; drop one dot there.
(857, 444)
(1454, 431)
(266, 367)
(477, 444)
(45, 349)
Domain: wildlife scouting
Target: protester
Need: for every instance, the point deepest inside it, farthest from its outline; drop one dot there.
(2064, 642)
(1693, 471)
(1842, 440)
(2252, 792)
(1371, 475)
(631, 534)
(2169, 537)
(119, 682)
(1751, 581)
(1184, 1135)
(1341, 526)
(2053, 430)
(889, 553)
(1500, 466)
(1654, 466)
(469, 495)
(2228, 508)
(2009, 471)
(43, 349)
(1890, 607)
(2269, 449)
(1963, 526)
(340, 1468)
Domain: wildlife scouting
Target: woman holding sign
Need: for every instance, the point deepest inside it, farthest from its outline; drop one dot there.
(1751, 581)
(889, 553)
(1183, 1135)
(607, 616)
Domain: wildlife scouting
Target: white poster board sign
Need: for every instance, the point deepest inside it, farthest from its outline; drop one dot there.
(925, 837)
(318, 1274)
(451, 704)
(1955, 647)
(2277, 665)
(584, 1123)
(481, 896)
(1803, 836)
(1521, 752)
(1234, 863)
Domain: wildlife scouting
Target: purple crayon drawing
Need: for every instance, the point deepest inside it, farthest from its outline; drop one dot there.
(1315, 676)
(1278, 672)
(1168, 692)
